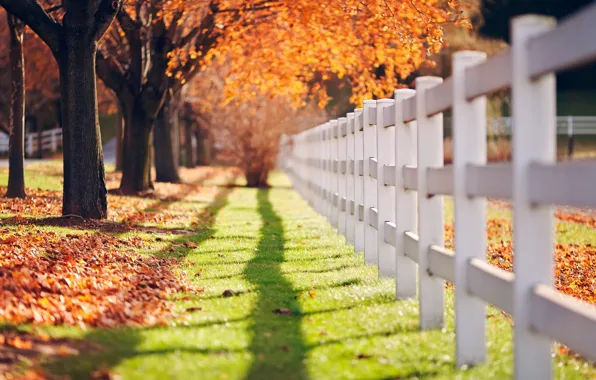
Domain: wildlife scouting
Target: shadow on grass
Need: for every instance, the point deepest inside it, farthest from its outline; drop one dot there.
(313, 260)
(132, 222)
(277, 345)
(119, 344)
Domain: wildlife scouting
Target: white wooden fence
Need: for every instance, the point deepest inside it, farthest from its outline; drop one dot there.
(378, 176)
(51, 140)
(566, 125)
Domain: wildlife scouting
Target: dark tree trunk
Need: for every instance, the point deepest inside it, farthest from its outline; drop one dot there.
(16, 155)
(74, 45)
(120, 125)
(203, 148)
(136, 157)
(189, 159)
(166, 142)
(256, 177)
(199, 148)
(85, 192)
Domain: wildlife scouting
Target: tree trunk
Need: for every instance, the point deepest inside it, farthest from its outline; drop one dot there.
(256, 177)
(199, 148)
(120, 125)
(203, 148)
(189, 160)
(167, 141)
(16, 156)
(85, 192)
(136, 157)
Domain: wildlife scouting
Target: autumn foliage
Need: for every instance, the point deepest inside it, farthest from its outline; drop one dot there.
(575, 264)
(248, 133)
(304, 43)
(95, 276)
(82, 279)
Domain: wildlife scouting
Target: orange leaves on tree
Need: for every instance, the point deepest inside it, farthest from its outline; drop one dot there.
(282, 47)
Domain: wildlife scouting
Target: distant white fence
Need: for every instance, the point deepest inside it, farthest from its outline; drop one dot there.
(51, 140)
(378, 176)
(566, 125)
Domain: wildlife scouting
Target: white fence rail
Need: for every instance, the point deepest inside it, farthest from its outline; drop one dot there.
(395, 210)
(51, 140)
(566, 125)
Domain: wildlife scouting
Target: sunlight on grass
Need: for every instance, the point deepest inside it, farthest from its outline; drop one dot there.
(302, 305)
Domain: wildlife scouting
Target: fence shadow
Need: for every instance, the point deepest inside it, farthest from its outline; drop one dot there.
(272, 332)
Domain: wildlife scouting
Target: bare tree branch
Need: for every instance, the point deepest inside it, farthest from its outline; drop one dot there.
(33, 14)
(105, 16)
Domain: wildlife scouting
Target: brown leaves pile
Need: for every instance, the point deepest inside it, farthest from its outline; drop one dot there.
(82, 279)
(95, 278)
(37, 203)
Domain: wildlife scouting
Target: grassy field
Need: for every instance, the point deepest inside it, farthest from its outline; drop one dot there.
(281, 296)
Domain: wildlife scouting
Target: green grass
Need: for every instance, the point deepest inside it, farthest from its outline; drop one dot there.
(44, 176)
(271, 249)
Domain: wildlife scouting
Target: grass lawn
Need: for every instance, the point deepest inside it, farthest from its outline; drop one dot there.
(255, 252)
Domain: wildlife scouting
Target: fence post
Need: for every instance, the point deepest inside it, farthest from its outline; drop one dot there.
(54, 141)
(312, 170)
(301, 164)
(469, 147)
(328, 197)
(359, 179)
(297, 166)
(570, 137)
(335, 173)
(302, 176)
(534, 140)
(30, 145)
(406, 214)
(317, 160)
(330, 175)
(430, 209)
(385, 193)
(309, 176)
(370, 183)
(351, 182)
(342, 124)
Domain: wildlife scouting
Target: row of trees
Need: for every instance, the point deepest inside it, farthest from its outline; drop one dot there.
(149, 52)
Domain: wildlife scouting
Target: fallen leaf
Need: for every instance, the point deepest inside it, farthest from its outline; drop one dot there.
(283, 311)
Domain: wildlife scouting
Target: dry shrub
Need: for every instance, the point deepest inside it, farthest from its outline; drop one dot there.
(247, 132)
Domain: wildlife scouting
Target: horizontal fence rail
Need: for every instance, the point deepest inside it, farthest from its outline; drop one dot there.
(51, 140)
(378, 176)
(566, 125)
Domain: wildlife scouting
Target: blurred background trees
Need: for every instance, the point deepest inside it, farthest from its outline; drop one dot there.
(218, 81)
